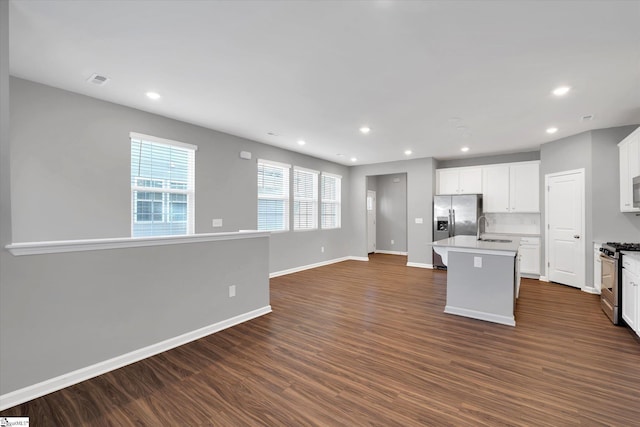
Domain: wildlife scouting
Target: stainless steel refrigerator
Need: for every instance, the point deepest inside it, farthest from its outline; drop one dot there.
(454, 215)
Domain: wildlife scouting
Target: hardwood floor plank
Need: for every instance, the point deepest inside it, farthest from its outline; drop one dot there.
(368, 343)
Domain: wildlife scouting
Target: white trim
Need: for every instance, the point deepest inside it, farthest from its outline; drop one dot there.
(481, 315)
(543, 279)
(25, 394)
(163, 141)
(302, 169)
(272, 163)
(306, 267)
(381, 251)
(419, 265)
(39, 248)
(315, 265)
(591, 290)
(582, 173)
(332, 175)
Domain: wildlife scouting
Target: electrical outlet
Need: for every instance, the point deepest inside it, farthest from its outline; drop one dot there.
(216, 222)
(418, 220)
(232, 291)
(322, 249)
(477, 262)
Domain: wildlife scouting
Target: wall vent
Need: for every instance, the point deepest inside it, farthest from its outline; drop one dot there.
(587, 118)
(97, 79)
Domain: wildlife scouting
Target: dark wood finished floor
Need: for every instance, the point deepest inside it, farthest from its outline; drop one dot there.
(360, 343)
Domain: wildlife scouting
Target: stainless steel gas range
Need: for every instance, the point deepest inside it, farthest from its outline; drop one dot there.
(611, 293)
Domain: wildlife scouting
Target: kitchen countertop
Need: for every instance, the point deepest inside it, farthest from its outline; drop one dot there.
(491, 233)
(471, 244)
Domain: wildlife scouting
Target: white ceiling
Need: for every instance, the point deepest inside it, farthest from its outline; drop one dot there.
(416, 72)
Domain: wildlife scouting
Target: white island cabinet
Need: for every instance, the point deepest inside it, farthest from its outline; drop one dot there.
(482, 277)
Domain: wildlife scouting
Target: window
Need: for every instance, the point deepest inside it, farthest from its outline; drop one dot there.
(305, 199)
(330, 188)
(162, 186)
(273, 196)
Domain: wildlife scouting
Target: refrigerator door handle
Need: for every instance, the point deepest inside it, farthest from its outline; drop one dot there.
(453, 222)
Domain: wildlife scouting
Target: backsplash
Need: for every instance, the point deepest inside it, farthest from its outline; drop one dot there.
(525, 223)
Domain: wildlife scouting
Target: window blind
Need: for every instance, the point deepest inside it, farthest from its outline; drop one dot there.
(305, 199)
(162, 186)
(330, 187)
(273, 196)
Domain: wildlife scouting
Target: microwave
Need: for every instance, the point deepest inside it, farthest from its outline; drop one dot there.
(636, 192)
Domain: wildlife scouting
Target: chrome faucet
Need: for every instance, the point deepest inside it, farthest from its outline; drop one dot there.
(480, 218)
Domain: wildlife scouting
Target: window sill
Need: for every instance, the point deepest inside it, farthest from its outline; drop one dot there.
(39, 248)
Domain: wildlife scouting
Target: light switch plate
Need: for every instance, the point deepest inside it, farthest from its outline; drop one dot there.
(217, 222)
(418, 220)
(477, 261)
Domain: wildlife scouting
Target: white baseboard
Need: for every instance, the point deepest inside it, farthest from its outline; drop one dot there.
(381, 251)
(419, 265)
(358, 258)
(31, 392)
(543, 279)
(481, 315)
(306, 267)
(591, 290)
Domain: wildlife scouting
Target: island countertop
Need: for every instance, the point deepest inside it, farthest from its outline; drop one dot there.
(471, 244)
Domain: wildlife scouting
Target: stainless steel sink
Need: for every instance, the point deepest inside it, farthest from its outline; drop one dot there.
(496, 240)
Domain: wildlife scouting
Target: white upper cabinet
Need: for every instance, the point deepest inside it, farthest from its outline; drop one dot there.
(459, 181)
(511, 187)
(524, 187)
(629, 168)
(495, 188)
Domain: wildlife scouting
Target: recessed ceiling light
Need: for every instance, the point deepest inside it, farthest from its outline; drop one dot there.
(552, 130)
(301, 142)
(365, 129)
(464, 149)
(408, 152)
(353, 159)
(561, 91)
(153, 95)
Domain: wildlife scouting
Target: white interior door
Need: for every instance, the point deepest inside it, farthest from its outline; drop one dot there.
(371, 221)
(565, 228)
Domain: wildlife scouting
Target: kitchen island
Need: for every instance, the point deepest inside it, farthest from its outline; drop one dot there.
(482, 277)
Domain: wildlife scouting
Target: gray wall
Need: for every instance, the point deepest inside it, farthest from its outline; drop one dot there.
(391, 213)
(489, 160)
(596, 152)
(66, 311)
(420, 188)
(71, 156)
(609, 224)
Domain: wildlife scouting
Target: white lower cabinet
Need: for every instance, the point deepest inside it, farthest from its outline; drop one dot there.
(530, 256)
(631, 292)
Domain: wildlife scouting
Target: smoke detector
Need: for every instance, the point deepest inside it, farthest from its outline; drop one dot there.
(97, 79)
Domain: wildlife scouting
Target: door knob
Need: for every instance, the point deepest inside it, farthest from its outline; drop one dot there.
(576, 236)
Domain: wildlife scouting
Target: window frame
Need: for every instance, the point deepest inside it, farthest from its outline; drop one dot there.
(166, 188)
(315, 180)
(337, 202)
(285, 196)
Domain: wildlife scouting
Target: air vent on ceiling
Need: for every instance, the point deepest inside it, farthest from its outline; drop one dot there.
(97, 79)
(587, 118)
